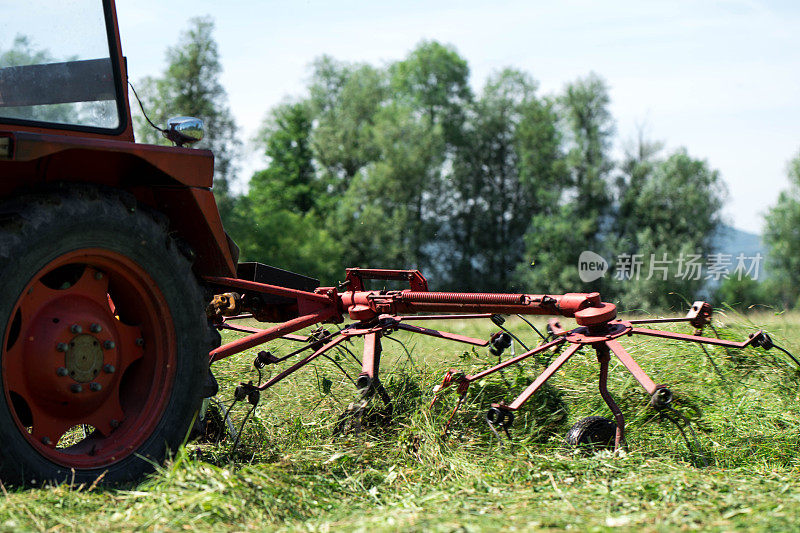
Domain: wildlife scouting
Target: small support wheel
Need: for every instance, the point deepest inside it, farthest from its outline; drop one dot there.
(594, 432)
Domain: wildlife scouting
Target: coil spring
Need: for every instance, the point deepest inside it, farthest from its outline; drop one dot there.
(465, 298)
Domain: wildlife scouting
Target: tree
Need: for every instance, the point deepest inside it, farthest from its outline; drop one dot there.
(509, 166)
(382, 218)
(290, 177)
(589, 131)
(403, 167)
(782, 236)
(435, 79)
(344, 100)
(431, 87)
(579, 218)
(279, 220)
(190, 86)
(380, 146)
(635, 170)
(668, 212)
(741, 293)
(22, 52)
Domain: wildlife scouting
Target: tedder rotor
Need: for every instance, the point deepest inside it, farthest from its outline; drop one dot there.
(375, 314)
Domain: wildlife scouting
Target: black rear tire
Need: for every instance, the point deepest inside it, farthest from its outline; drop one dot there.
(118, 338)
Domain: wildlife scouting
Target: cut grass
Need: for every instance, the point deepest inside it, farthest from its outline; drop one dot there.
(290, 473)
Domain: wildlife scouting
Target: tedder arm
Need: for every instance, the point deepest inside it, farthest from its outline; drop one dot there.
(377, 313)
(328, 305)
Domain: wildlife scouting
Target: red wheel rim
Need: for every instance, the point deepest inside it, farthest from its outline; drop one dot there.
(90, 355)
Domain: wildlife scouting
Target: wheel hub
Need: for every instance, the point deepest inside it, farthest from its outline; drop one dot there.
(84, 358)
(71, 373)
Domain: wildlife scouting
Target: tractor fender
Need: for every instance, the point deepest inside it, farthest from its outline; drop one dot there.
(175, 181)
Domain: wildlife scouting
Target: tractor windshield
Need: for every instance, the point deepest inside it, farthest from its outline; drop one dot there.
(56, 65)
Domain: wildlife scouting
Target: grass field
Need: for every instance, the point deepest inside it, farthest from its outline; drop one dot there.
(290, 473)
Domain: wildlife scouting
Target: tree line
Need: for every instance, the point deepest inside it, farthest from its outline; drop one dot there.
(405, 165)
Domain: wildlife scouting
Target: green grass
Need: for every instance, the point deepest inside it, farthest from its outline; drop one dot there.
(290, 473)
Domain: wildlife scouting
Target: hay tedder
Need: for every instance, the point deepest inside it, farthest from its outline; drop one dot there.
(117, 276)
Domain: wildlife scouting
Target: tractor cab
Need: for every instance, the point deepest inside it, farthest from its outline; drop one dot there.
(60, 67)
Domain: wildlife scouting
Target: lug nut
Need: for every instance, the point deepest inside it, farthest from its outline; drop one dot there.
(75, 388)
(98, 275)
(75, 328)
(46, 441)
(109, 369)
(96, 328)
(61, 371)
(140, 342)
(114, 423)
(62, 347)
(95, 386)
(109, 345)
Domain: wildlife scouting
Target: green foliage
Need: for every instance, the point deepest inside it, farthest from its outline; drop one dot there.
(404, 167)
(379, 142)
(290, 178)
(432, 87)
(509, 166)
(22, 53)
(668, 211)
(782, 236)
(589, 128)
(382, 218)
(344, 100)
(190, 86)
(679, 200)
(558, 236)
(740, 294)
(434, 79)
(278, 221)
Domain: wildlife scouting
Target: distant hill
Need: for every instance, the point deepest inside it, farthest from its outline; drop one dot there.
(730, 240)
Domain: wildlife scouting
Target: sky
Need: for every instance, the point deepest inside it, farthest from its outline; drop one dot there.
(721, 78)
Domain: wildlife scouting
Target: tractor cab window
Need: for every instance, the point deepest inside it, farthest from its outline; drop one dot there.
(56, 65)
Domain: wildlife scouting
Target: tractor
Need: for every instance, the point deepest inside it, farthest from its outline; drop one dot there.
(103, 243)
(117, 277)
